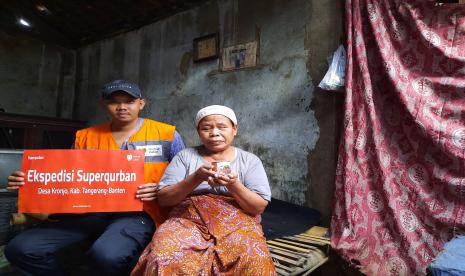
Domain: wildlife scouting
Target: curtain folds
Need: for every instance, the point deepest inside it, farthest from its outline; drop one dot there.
(400, 179)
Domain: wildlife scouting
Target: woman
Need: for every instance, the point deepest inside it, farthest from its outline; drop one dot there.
(214, 227)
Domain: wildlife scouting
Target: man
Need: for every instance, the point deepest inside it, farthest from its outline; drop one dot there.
(118, 237)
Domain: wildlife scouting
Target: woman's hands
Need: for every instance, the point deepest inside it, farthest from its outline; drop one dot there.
(147, 192)
(228, 180)
(15, 180)
(249, 201)
(204, 173)
(173, 194)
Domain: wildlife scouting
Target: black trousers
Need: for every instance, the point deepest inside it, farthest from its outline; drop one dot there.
(118, 240)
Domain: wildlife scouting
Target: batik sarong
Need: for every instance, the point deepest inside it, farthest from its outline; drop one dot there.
(207, 235)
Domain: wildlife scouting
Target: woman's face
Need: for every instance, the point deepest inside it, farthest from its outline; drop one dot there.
(216, 132)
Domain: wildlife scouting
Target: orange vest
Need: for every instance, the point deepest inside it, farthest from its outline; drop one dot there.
(155, 135)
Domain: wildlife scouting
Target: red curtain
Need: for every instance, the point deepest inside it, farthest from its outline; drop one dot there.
(400, 188)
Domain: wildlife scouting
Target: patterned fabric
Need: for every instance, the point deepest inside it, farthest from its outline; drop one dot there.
(400, 188)
(207, 235)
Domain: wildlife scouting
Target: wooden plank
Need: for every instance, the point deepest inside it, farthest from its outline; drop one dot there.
(282, 272)
(315, 237)
(286, 260)
(277, 264)
(309, 240)
(290, 242)
(287, 250)
(291, 254)
(288, 246)
(299, 254)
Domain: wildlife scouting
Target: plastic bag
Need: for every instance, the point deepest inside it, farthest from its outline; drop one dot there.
(335, 76)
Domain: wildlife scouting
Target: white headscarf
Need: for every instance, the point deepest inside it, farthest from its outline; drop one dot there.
(215, 110)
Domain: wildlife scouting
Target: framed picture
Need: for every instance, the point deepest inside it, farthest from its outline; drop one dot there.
(240, 56)
(206, 47)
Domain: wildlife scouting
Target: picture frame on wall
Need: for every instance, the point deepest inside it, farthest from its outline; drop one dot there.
(240, 56)
(206, 47)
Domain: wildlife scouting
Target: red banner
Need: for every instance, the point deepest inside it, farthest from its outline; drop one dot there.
(81, 181)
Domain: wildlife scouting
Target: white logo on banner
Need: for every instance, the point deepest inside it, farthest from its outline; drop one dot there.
(151, 150)
(35, 157)
(129, 157)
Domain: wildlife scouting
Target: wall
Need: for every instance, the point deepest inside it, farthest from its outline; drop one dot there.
(275, 103)
(35, 78)
(327, 17)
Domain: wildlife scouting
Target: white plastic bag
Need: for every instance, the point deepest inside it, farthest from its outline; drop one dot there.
(335, 76)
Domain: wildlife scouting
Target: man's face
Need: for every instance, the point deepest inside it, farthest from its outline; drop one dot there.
(122, 107)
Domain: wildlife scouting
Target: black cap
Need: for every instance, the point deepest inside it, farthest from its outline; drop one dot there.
(121, 85)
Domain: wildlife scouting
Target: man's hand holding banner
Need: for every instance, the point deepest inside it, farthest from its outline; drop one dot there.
(81, 181)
